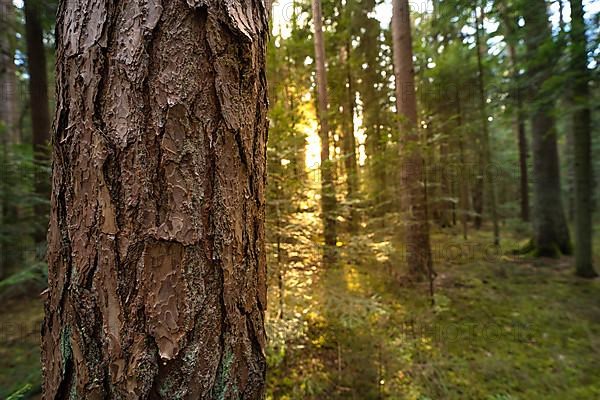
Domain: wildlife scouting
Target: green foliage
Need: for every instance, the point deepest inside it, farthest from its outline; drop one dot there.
(23, 281)
(18, 221)
(21, 393)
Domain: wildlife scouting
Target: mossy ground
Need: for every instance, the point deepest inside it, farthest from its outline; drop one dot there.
(502, 327)
(20, 325)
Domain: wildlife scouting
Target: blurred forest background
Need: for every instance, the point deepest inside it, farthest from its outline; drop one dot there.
(490, 308)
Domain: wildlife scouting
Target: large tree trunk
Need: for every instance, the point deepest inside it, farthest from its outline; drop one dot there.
(487, 164)
(328, 199)
(157, 276)
(551, 234)
(582, 144)
(40, 117)
(414, 201)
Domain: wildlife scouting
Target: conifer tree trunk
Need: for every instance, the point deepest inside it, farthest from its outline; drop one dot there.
(349, 144)
(8, 131)
(511, 40)
(414, 202)
(328, 199)
(463, 181)
(487, 166)
(551, 235)
(569, 158)
(157, 275)
(8, 78)
(38, 105)
(582, 144)
(523, 153)
(444, 205)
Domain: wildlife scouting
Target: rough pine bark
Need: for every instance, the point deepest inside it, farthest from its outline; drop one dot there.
(157, 275)
(414, 202)
(582, 126)
(328, 199)
(551, 234)
(38, 106)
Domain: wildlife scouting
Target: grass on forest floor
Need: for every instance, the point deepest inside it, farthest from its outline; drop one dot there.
(501, 328)
(20, 370)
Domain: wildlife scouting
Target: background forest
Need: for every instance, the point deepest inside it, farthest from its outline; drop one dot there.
(487, 307)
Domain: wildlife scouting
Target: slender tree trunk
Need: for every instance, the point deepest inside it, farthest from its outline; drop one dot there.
(9, 116)
(582, 144)
(519, 113)
(463, 179)
(511, 28)
(477, 193)
(412, 172)
(9, 119)
(349, 144)
(157, 275)
(375, 151)
(570, 159)
(567, 100)
(488, 163)
(444, 203)
(551, 235)
(328, 199)
(523, 168)
(280, 264)
(40, 117)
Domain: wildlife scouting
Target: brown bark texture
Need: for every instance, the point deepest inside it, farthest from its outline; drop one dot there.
(412, 174)
(157, 268)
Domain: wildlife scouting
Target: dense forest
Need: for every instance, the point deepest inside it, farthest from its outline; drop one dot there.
(300, 199)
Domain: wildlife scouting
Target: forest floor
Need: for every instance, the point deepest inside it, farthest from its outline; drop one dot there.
(501, 328)
(20, 326)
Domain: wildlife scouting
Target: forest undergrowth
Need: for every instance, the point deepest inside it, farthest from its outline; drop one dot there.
(501, 327)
